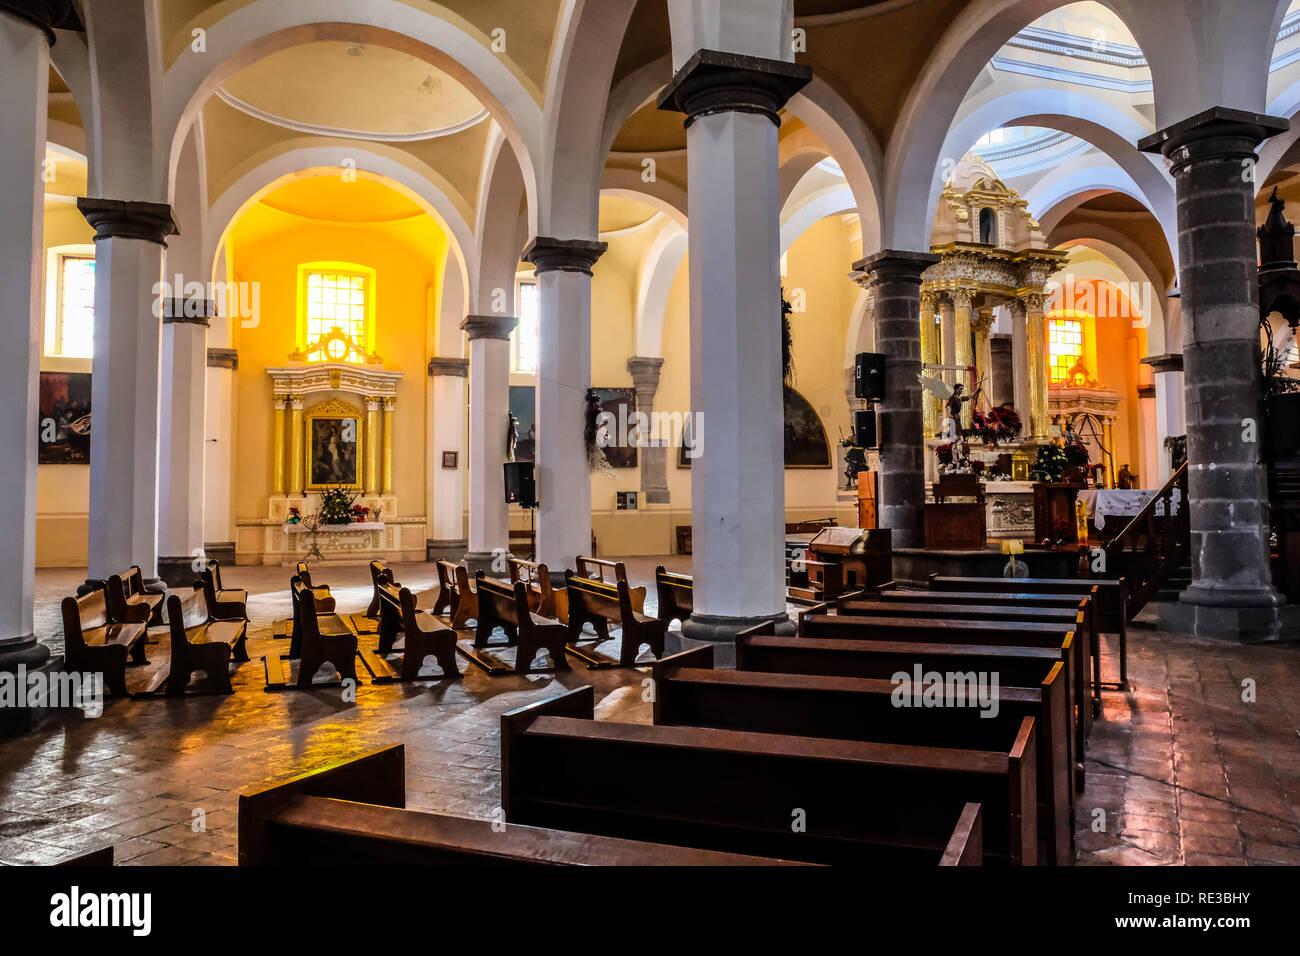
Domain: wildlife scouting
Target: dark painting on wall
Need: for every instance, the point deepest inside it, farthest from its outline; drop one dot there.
(523, 405)
(63, 431)
(334, 453)
(805, 436)
(621, 404)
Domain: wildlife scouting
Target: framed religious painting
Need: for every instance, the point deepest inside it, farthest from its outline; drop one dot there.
(63, 428)
(523, 405)
(620, 404)
(334, 446)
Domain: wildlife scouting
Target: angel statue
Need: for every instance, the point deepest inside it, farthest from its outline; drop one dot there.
(953, 400)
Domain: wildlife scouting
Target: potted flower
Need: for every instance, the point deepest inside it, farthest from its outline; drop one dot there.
(359, 513)
(295, 516)
(336, 506)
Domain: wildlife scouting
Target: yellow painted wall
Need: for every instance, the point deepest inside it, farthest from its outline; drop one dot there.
(268, 246)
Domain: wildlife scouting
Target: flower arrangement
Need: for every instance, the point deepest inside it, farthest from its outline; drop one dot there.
(336, 506)
(996, 426)
(943, 453)
(295, 516)
(1051, 463)
(359, 513)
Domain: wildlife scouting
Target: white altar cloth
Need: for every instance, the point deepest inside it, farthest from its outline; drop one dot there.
(1103, 504)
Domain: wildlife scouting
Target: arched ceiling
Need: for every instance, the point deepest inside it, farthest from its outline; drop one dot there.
(618, 213)
(352, 89)
(335, 199)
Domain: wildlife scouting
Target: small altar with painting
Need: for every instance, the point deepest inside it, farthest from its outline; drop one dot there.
(332, 429)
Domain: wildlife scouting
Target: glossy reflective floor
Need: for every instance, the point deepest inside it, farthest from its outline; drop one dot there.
(1181, 769)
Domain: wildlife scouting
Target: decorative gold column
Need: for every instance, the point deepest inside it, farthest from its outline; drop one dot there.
(388, 446)
(1036, 329)
(372, 446)
(962, 355)
(277, 456)
(930, 405)
(1108, 439)
(981, 324)
(295, 445)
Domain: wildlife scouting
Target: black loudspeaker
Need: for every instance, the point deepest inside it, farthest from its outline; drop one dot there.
(864, 428)
(520, 486)
(869, 376)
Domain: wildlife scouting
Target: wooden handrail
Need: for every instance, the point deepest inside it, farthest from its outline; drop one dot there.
(1177, 478)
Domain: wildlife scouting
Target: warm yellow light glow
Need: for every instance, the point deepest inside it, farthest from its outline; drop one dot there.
(1064, 347)
(336, 296)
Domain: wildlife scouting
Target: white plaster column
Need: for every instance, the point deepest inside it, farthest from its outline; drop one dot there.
(738, 477)
(1170, 417)
(183, 428)
(653, 459)
(446, 497)
(563, 268)
(219, 454)
(130, 238)
(24, 51)
(489, 409)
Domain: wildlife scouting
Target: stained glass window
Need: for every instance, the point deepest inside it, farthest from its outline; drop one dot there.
(1064, 347)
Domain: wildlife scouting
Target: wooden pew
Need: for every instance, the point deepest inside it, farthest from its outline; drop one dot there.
(353, 813)
(446, 586)
(129, 601)
(610, 572)
(227, 604)
(319, 599)
(1067, 639)
(506, 606)
(422, 635)
(542, 597)
(95, 643)
(199, 642)
(676, 595)
(739, 792)
(759, 649)
(1110, 602)
(464, 599)
(600, 604)
(338, 646)
(688, 692)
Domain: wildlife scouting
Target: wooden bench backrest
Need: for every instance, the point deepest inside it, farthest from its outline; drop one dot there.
(214, 568)
(186, 608)
(1009, 597)
(446, 575)
(132, 580)
(929, 610)
(1029, 633)
(502, 602)
(572, 772)
(676, 594)
(532, 574)
(610, 601)
(304, 609)
(1111, 594)
(85, 613)
(304, 573)
(599, 569)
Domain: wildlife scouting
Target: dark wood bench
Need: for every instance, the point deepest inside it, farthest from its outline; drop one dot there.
(129, 601)
(199, 642)
(316, 645)
(422, 635)
(600, 605)
(688, 692)
(738, 792)
(464, 600)
(1066, 639)
(321, 595)
(610, 572)
(506, 606)
(542, 596)
(322, 604)
(353, 813)
(446, 587)
(1110, 602)
(227, 604)
(94, 643)
(675, 594)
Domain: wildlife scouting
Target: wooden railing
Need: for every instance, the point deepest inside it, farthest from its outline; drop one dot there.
(1152, 546)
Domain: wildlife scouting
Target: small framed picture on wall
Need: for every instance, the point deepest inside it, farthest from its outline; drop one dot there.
(450, 459)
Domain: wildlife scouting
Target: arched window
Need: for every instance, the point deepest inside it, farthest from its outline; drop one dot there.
(336, 310)
(1064, 348)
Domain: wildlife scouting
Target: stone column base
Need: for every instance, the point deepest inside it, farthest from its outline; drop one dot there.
(444, 549)
(223, 552)
(177, 571)
(25, 650)
(476, 561)
(721, 631)
(1249, 625)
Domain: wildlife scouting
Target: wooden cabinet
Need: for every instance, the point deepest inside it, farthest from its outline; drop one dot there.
(1054, 511)
(956, 526)
(867, 499)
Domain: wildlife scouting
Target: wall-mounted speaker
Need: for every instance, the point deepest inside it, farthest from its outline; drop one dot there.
(521, 488)
(864, 428)
(869, 376)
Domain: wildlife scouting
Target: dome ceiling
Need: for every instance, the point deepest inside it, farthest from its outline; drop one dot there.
(355, 90)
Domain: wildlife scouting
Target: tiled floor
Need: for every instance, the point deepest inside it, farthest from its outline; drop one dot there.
(1181, 768)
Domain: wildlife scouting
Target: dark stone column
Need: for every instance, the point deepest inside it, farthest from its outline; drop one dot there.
(1212, 159)
(895, 281)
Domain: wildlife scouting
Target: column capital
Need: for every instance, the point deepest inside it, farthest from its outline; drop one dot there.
(450, 367)
(223, 358)
(1169, 362)
(645, 371)
(46, 15)
(1217, 133)
(981, 322)
(961, 298)
(548, 254)
(712, 81)
(488, 327)
(123, 219)
(894, 265)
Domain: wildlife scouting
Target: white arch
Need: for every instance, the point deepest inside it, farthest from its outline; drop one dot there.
(630, 94)
(497, 230)
(1072, 179)
(862, 334)
(265, 26)
(658, 271)
(662, 195)
(257, 182)
(815, 207)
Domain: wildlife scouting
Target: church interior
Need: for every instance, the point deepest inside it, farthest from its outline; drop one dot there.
(445, 422)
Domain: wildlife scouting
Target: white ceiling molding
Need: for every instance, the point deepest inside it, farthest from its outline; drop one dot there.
(1062, 75)
(342, 133)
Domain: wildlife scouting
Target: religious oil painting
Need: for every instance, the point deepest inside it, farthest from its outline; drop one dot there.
(805, 440)
(333, 448)
(620, 441)
(523, 405)
(63, 430)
